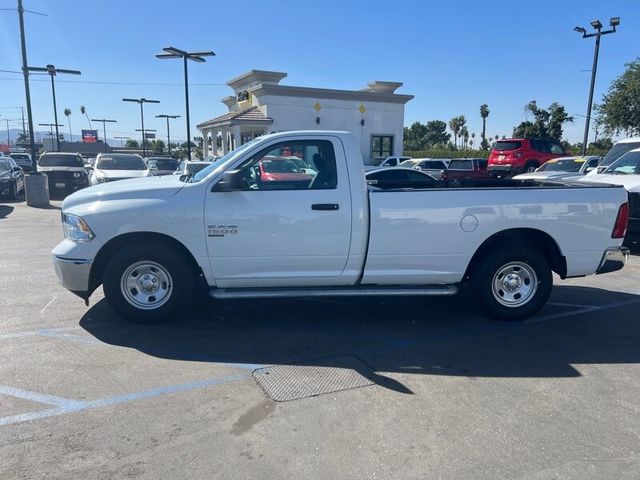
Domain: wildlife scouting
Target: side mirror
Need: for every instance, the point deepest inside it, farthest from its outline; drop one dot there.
(17, 169)
(231, 181)
(589, 169)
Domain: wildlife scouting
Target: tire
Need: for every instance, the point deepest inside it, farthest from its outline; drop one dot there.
(157, 267)
(13, 194)
(531, 166)
(512, 283)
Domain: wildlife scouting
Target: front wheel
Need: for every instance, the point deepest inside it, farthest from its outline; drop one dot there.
(13, 194)
(148, 283)
(513, 283)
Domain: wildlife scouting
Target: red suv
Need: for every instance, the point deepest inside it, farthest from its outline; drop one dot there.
(518, 155)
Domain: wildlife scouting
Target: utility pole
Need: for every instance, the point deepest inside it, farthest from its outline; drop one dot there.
(104, 128)
(25, 73)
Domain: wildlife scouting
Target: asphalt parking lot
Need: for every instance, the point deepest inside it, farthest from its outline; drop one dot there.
(442, 392)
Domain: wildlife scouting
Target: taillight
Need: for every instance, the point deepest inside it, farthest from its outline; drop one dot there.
(444, 175)
(620, 227)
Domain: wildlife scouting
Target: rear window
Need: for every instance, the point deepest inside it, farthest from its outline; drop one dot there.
(165, 163)
(20, 156)
(617, 151)
(60, 160)
(121, 162)
(507, 145)
(461, 165)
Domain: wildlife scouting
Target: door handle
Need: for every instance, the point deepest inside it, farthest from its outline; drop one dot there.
(325, 206)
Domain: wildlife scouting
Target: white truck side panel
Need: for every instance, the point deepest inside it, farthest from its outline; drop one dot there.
(428, 237)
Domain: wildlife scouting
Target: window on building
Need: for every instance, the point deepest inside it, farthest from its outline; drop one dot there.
(292, 166)
(381, 146)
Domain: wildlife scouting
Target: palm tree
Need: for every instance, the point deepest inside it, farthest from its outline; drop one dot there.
(67, 113)
(484, 113)
(83, 111)
(455, 128)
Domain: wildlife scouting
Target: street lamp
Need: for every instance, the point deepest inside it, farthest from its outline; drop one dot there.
(141, 101)
(173, 52)
(122, 139)
(104, 128)
(168, 134)
(597, 25)
(51, 125)
(53, 71)
(144, 135)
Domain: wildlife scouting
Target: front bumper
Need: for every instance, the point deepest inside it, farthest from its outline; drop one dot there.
(74, 185)
(613, 259)
(73, 273)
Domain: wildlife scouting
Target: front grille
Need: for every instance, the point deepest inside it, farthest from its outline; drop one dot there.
(634, 205)
(62, 176)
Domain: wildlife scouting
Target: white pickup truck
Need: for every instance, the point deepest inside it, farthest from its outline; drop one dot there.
(253, 226)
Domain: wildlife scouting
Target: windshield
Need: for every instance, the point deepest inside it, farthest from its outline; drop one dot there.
(222, 162)
(121, 162)
(617, 151)
(568, 165)
(60, 160)
(408, 163)
(4, 165)
(279, 166)
(628, 164)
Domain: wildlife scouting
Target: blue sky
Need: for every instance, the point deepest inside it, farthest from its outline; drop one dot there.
(453, 56)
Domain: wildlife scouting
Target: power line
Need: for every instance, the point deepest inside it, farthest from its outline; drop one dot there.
(95, 82)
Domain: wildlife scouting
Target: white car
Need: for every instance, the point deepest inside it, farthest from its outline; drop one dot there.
(433, 166)
(149, 242)
(190, 168)
(110, 167)
(562, 168)
(620, 148)
(390, 161)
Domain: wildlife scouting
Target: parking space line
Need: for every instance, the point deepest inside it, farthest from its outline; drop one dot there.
(65, 406)
(35, 396)
(598, 308)
(50, 302)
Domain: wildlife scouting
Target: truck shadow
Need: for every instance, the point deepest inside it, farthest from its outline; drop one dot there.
(421, 336)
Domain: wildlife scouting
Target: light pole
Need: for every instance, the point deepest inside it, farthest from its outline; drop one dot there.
(51, 125)
(172, 52)
(122, 139)
(597, 25)
(141, 101)
(144, 135)
(168, 133)
(104, 128)
(53, 71)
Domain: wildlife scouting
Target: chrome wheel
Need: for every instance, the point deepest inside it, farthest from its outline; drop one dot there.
(146, 285)
(514, 284)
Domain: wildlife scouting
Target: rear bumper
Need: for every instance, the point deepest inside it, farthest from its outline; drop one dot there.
(503, 170)
(613, 260)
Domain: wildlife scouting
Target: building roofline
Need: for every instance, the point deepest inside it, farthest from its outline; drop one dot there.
(328, 93)
(256, 76)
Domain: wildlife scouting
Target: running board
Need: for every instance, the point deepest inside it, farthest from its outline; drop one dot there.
(360, 291)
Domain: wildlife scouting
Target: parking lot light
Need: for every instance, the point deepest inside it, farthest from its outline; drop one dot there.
(168, 133)
(141, 101)
(104, 128)
(53, 71)
(172, 52)
(597, 25)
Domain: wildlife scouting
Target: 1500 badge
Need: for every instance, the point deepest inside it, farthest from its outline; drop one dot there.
(221, 230)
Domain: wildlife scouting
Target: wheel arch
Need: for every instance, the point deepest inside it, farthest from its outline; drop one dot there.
(116, 243)
(531, 237)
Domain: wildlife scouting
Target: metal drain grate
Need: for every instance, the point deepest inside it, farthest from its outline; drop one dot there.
(283, 383)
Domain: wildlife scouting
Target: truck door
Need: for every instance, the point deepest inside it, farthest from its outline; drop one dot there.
(287, 221)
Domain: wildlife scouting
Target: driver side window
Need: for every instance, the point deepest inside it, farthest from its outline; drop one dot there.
(302, 165)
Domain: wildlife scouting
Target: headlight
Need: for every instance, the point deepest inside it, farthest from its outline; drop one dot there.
(76, 229)
(76, 174)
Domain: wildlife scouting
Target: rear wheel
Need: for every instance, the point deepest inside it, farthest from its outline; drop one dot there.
(531, 166)
(513, 283)
(148, 283)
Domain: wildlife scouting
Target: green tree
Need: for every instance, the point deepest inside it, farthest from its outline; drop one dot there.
(456, 124)
(83, 111)
(546, 124)
(436, 133)
(413, 136)
(132, 143)
(22, 138)
(67, 113)
(619, 111)
(602, 144)
(484, 114)
(156, 146)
